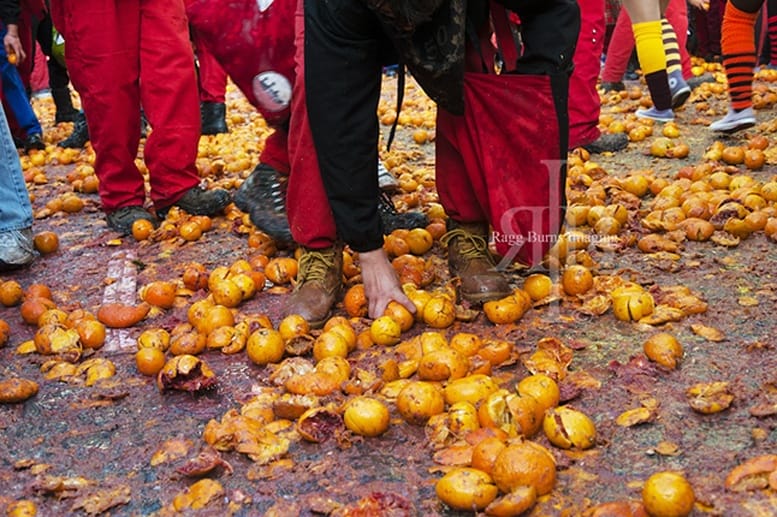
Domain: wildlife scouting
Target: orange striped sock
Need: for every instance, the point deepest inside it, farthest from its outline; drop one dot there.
(737, 43)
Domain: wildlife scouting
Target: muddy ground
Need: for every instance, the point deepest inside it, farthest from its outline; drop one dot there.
(108, 433)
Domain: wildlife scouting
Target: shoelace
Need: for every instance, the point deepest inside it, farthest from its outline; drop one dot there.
(274, 187)
(315, 265)
(472, 247)
(386, 205)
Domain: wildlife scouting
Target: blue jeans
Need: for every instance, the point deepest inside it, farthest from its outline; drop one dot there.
(16, 94)
(15, 208)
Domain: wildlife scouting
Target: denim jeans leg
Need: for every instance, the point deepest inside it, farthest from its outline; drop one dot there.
(15, 208)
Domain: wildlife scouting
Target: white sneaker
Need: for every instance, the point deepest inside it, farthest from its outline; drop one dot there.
(656, 114)
(734, 121)
(16, 249)
(386, 181)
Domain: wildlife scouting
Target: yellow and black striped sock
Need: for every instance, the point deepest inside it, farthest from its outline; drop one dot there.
(652, 60)
(671, 47)
(737, 43)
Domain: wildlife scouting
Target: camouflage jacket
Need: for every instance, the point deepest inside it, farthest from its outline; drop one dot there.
(430, 39)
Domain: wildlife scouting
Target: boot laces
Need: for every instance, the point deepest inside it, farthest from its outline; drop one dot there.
(471, 246)
(386, 205)
(272, 187)
(315, 265)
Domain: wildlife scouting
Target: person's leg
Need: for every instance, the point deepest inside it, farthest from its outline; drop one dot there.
(168, 91)
(676, 15)
(309, 214)
(618, 52)
(212, 80)
(584, 102)
(15, 208)
(342, 114)
(739, 59)
(15, 96)
(674, 49)
(646, 19)
(714, 25)
(772, 28)
(103, 62)
(58, 76)
(16, 248)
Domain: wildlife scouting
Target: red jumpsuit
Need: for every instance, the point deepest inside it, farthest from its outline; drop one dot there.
(121, 56)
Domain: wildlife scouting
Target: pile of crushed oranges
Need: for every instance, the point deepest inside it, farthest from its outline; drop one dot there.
(421, 367)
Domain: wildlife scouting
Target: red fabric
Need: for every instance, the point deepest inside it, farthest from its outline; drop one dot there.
(39, 79)
(479, 156)
(584, 102)
(212, 78)
(622, 42)
(115, 66)
(494, 165)
(310, 217)
(708, 24)
(263, 54)
(25, 36)
(254, 47)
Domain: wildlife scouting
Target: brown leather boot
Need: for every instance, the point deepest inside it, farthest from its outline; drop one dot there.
(319, 280)
(470, 260)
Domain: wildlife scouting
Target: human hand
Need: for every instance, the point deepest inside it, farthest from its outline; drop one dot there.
(381, 284)
(700, 4)
(13, 45)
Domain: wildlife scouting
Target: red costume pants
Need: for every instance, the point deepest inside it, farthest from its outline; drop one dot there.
(121, 56)
(212, 78)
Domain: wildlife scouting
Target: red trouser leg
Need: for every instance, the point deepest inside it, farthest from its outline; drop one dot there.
(276, 151)
(584, 102)
(620, 49)
(454, 183)
(463, 192)
(103, 62)
(212, 78)
(310, 217)
(677, 16)
(168, 93)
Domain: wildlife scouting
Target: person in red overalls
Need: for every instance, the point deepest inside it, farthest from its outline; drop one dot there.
(122, 54)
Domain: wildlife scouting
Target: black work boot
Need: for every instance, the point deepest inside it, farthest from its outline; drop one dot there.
(319, 281)
(34, 141)
(80, 135)
(214, 118)
(470, 260)
(121, 220)
(64, 104)
(393, 220)
(200, 201)
(263, 196)
(607, 143)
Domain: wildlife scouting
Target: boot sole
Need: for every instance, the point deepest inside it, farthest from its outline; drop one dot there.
(479, 298)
